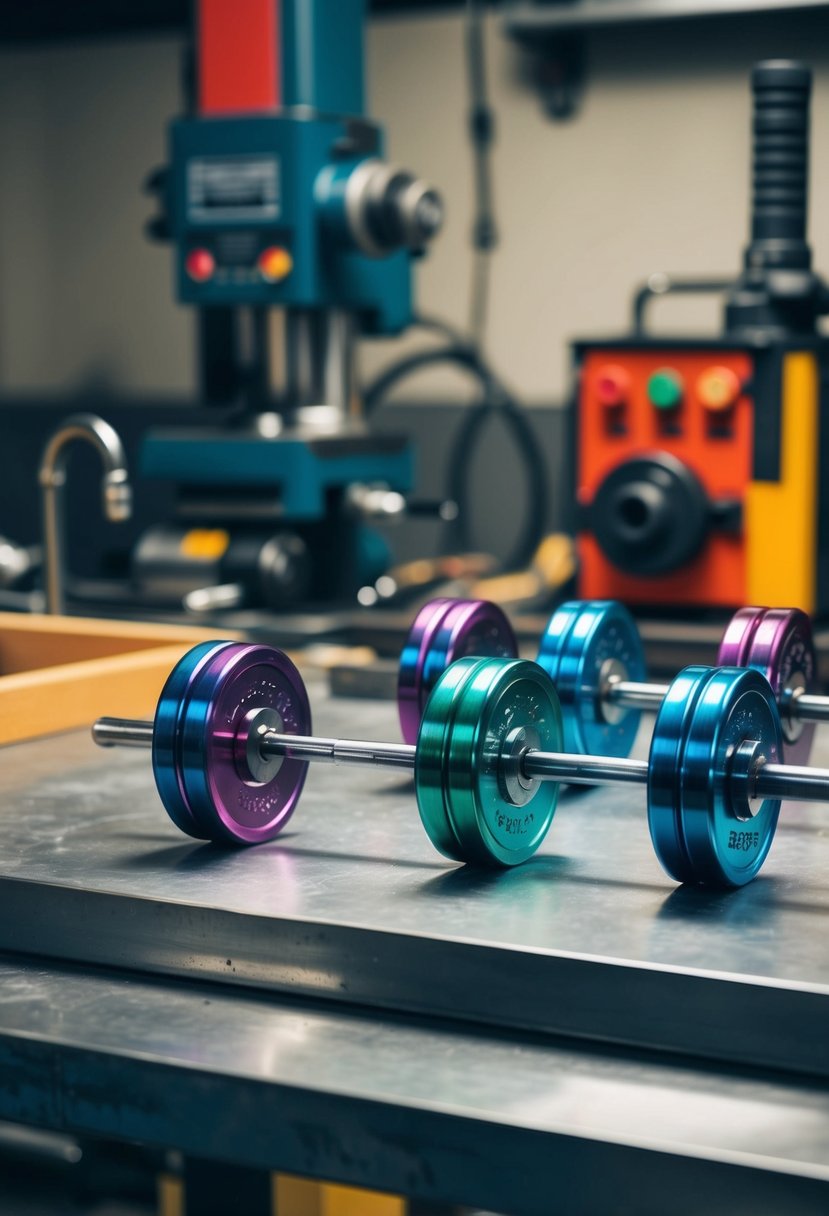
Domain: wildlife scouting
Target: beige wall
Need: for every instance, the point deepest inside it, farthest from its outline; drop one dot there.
(651, 175)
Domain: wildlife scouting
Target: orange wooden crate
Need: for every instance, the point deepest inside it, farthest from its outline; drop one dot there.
(59, 673)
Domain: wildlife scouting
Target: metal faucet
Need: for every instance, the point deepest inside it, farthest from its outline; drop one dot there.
(117, 493)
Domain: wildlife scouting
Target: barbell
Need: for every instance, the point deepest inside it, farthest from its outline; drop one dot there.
(593, 653)
(231, 742)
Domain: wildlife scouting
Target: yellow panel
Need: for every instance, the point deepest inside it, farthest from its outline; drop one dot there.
(294, 1196)
(205, 542)
(349, 1201)
(781, 517)
(170, 1195)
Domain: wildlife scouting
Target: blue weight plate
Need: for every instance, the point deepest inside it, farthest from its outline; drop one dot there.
(704, 835)
(664, 771)
(166, 754)
(580, 639)
(554, 639)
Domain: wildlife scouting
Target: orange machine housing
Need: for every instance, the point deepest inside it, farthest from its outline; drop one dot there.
(716, 445)
(745, 423)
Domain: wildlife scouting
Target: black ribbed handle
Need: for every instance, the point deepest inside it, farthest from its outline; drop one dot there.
(782, 89)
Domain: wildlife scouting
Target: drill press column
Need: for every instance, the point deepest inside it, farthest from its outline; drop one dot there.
(278, 196)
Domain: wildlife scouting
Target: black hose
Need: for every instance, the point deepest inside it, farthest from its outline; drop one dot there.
(459, 353)
(496, 402)
(460, 465)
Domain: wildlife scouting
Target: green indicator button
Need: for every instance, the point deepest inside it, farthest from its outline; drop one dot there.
(665, 389)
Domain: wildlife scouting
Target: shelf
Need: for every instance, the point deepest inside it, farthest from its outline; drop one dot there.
(526, 21)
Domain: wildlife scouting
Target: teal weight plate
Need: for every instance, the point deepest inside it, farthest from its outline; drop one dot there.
(696, 807)
(431, 757)
(498, 696)
(581, 639)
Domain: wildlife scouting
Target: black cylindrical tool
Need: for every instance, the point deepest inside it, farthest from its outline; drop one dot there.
(777, 295)
(781, 91)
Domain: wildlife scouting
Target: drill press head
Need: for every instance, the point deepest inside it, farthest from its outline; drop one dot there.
(278, 193)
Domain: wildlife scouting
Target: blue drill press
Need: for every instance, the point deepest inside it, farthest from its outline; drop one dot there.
(292, 236)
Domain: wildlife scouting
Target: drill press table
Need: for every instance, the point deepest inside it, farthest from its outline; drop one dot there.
(352, 909)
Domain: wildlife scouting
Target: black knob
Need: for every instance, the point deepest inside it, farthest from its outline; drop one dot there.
(650, 515)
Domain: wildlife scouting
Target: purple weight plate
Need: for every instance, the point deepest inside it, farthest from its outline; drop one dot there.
(412, 658)
(458, 629)
(778, 642)
(469, 629)
(226, 802)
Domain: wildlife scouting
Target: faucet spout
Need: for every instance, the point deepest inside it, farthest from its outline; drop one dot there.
(117, 493)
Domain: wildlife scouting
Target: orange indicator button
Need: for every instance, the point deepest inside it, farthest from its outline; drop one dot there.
(718, 388)
(275, 264)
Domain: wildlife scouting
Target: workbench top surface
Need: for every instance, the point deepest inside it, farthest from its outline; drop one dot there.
(402, 1022)
(590, 938)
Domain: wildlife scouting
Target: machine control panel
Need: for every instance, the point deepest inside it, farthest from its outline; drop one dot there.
(665, 453)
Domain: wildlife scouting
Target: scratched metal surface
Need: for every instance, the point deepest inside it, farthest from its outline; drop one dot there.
(403, 1105)
(590, 938)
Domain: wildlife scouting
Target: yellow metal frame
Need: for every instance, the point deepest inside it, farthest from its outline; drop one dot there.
(292, 1196)
(781, 518)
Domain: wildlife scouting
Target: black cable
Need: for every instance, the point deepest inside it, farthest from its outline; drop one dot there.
(439, 326)
(465, 352)
(482, 135)
(498, 402)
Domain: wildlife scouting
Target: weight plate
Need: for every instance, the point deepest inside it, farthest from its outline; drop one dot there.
(166, 736)
(470, 628)
(410, 667)
(443, 632)
(498, 698)
(778, 642)
(583, 643)
(697, 802)
(226, 801)
(431, 759)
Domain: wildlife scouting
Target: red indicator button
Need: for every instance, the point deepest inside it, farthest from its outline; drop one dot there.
(612, 385)
(275, 264)
(200, 265)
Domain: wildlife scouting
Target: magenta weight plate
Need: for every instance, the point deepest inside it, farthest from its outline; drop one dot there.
(410, 669)
(445, 630)
(225, 799)
(778, 642)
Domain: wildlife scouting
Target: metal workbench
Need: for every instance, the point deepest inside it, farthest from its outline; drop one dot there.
(578, 1026)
